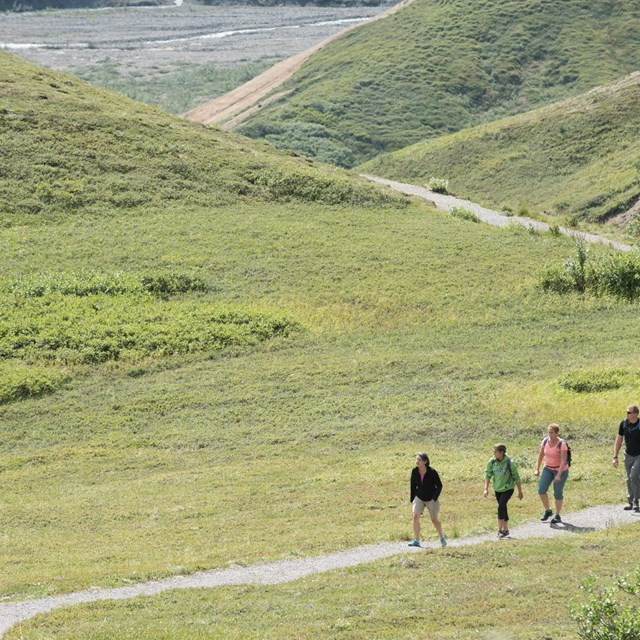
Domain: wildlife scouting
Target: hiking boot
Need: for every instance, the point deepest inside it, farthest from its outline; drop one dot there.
(503, 534)
(636, 507)
(556, 519)
(628, 506)
(443, 541)
(546, 515)
(414, 543)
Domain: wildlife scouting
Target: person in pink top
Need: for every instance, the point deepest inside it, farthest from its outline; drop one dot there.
(556, 470)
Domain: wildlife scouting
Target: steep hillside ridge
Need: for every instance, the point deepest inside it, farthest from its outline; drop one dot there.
(436, 67)
(69, 148)
(578, 158)
(237, 105)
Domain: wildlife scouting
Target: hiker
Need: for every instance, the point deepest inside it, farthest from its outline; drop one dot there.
(629, 431)
(425, 491)
(556, 470)
(505, 476)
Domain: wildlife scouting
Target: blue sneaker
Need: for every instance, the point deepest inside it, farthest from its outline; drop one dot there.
(414, 543)
(443, 541)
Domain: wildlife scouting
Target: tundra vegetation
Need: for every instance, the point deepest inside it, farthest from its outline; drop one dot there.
(438, 67)
(576, 161)
(365, 327)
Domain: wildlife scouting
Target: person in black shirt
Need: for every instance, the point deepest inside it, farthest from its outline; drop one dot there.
(425, 490)
(629, 431)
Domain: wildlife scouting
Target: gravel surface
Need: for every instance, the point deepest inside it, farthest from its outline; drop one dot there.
(490, 216)
(591, 519)
(153, 40)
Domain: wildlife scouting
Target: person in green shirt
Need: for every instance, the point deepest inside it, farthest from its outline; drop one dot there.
(505, 476)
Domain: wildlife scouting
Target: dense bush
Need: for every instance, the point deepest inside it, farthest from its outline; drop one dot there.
(593, 381)
(610, 614)
(617, 274)
(18, 381)
(438, 185)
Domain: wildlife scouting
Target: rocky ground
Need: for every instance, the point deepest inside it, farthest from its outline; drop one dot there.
(156, 40)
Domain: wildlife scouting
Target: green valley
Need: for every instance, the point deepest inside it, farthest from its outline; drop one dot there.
(214, 353)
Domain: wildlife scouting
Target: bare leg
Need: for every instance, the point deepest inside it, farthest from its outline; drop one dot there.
(416, 526)
(545, 500)
(437, 525)
(558, 506)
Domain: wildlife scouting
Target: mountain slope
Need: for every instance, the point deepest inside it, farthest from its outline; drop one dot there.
(68, 147)
(436, 67)
(579, 157)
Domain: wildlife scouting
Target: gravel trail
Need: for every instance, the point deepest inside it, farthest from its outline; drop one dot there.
(584, 521)
(491, 216)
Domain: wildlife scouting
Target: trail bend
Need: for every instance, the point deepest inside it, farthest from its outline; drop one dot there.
(280, 571)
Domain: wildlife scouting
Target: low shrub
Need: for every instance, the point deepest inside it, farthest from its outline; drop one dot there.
(593, 381)
(610, 614)
(617, 274)
(463, 213)
(100, 327)
(90, 317)
(19, 381)
(312, 186)
(438, 185)
(633, 228)
(84, 283)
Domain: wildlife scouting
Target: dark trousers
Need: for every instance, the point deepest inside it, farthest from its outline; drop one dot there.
(503, 497)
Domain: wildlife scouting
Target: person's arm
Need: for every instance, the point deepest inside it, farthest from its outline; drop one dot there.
(488, 474)
(412, 487)
(616, 449)
(520, 494)
(516, 477)
(539, 462)
(563, 462)
(437, 484)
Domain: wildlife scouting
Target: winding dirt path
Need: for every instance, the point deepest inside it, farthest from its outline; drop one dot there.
(237, 105)
(591, 519)
(490, 216)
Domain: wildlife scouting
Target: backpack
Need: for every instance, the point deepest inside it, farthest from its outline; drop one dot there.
(544, 442)
(494, 462)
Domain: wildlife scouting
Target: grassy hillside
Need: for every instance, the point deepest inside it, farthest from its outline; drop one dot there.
(437, 67)
(68, 147)
(243, 367)
(579, 158)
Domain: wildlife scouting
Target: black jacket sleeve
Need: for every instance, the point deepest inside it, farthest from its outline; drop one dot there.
(437, 484)
(412, 485)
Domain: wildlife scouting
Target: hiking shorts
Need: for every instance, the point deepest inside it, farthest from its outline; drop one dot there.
(433, 507)
(547, 478)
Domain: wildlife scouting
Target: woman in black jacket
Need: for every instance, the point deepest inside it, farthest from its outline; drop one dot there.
(425, 491)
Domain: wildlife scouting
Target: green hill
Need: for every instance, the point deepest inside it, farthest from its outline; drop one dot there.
(213, 354)
(439, 66)
(579, 158)
(68, 147)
